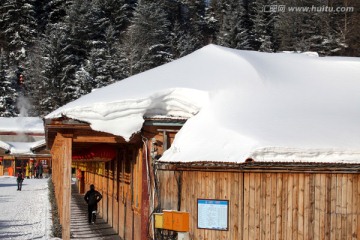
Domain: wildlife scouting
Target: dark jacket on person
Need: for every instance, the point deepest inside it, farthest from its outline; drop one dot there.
(92, 197)
(20, 177)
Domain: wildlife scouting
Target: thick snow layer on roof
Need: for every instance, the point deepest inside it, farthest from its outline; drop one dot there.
(242, 104)
(22, 125)
(21, 147)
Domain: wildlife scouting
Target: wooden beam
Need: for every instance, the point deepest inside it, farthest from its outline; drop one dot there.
(96, 139)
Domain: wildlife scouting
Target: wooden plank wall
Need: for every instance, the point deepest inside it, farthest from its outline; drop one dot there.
(271, 205)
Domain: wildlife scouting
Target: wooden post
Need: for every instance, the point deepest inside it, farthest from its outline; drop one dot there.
(62, 156)
(67, 156)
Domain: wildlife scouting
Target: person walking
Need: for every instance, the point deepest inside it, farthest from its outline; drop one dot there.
(37, 170)
(92, 197)
(40, 170)
(19, 180)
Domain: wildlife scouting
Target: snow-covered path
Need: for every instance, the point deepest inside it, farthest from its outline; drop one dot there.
(24, 214)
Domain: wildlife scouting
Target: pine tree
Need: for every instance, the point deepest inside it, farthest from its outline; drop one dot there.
(149, 38)
(18, 23)
(183, 43)
(85, 81)
(212, 25)
(103, 60)
(114, 13)
(195, 22)
(75, 49)
(233, 32)
(52, 12)
(264, 25)
(51, 78)
(310, 31)
(8, 93)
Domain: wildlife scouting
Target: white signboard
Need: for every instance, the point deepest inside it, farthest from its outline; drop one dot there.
(213, 214)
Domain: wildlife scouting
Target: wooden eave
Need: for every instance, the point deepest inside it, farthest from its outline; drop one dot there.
(81, 133)
(25, 133)
(295, 167)
(26, 156)
(174, 122)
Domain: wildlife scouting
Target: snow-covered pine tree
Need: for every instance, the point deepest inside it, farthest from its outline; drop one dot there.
(264, 20)
(116, 13)
(224, 11)
(233, 32)
(18, 26)
(183, 43)
(103, 63)
(32, 90)
(195, 22)
(8, 94)
(52, 12)
(149, 38)
(334, 40)
(86, 82)
(53, 59)
(348, 27)
(18, 23)
(75, 49)
(212, 25)
(316, 31)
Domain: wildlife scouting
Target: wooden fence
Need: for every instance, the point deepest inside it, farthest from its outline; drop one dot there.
(270, 205)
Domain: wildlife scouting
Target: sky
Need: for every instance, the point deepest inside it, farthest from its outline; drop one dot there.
(240, 105)
(24, 214)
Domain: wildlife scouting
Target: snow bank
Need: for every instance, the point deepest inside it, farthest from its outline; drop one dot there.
(24, 214)
(239, 102)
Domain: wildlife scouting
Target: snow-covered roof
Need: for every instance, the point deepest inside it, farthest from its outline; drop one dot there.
(241, 104)
(16, 148)
(33, 125)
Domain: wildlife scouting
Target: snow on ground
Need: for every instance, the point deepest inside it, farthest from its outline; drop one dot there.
(24, 214)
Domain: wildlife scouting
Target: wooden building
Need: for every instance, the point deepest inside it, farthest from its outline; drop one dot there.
(266, 201)
(15, 156)
(22, 141)
(237, 104)
(121, 171)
